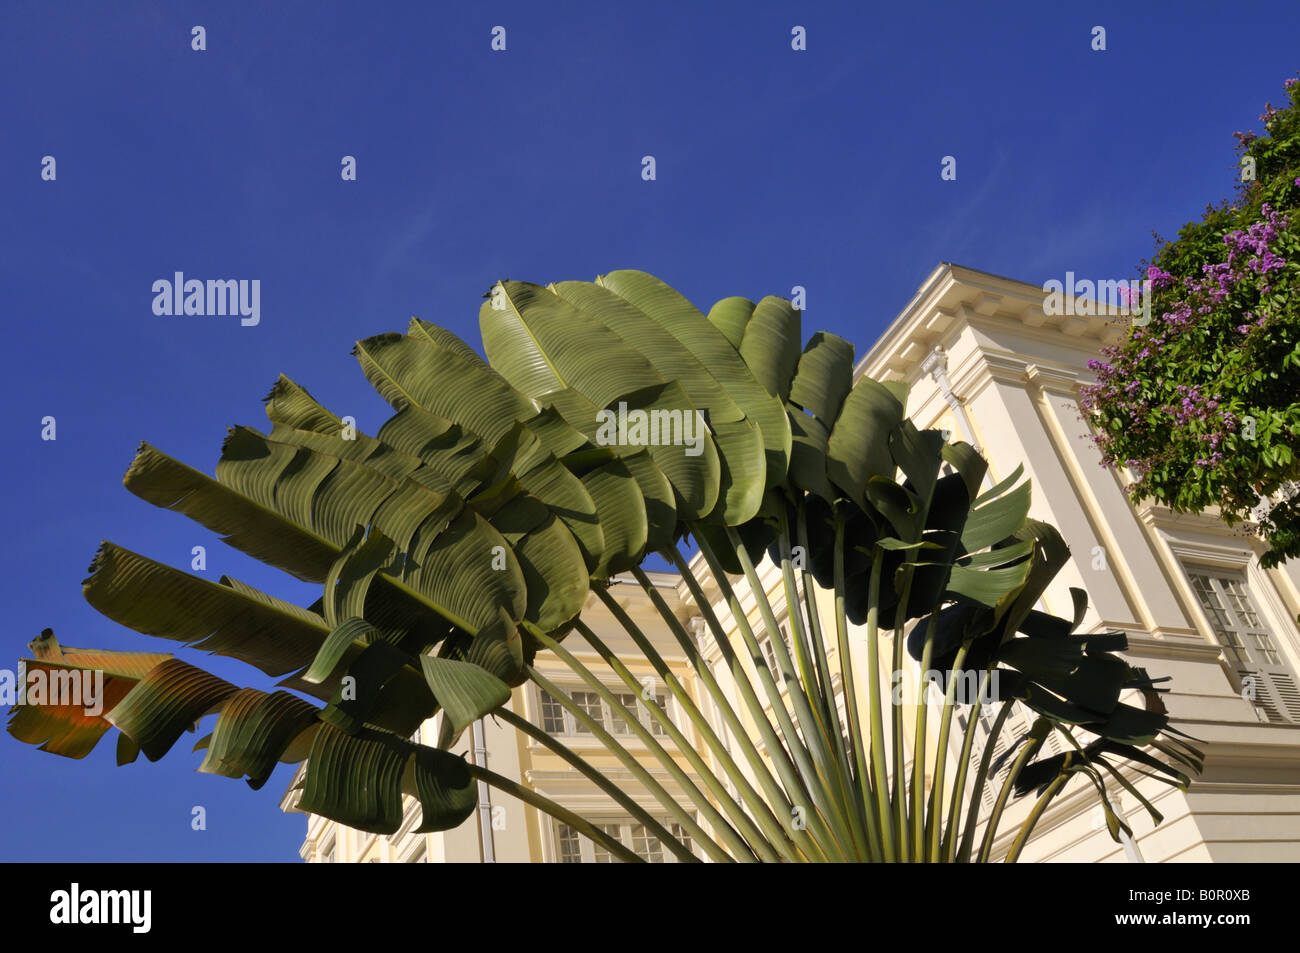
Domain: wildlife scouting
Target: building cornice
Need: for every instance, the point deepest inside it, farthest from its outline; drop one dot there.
(1187, 646)
(629, 595)
(952, 295)
(1059, 380)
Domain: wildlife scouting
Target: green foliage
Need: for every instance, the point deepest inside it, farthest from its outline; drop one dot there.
(1202, 405)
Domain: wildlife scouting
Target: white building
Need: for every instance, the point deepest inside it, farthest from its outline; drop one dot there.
(986, 362)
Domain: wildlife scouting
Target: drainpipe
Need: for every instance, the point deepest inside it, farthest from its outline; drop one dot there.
(936, 365)
(479, 741)
(1131, 851)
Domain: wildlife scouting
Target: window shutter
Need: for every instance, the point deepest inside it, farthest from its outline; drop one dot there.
(1248, 644)
(1017, 724)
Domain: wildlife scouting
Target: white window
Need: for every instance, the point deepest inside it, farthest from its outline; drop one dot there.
(568, 845)
(628, 701)
(557, 721)
(655, 727)
(589, 704)
(328, 853)
(552, 715)
(679, 832)
(769, 653)
(646, 845)
(573, 848)
(1248, 643)
(599, 854)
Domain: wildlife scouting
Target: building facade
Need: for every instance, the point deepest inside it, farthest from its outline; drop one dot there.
(986, 361)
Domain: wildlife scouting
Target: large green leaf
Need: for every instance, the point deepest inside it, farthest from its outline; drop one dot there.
(356, 780)
(622, 507)
(659, 503)
(739, 441)
(443, 446)
(465, 691)
(445, 339)
(349, 637)
(166, 703)
(445, 788)
(555, 575)
(382, 688)
(997, 518)
(409, 370)
(540, 342)
(249, 526)
(987, 586)
(252, 732)
(158, 600)
(668, 308)
(730, 315)
(824, 377)
(858, 447)
(498, 649)
(771, 346)
(290, 404)
(695, 478)
(808, 455)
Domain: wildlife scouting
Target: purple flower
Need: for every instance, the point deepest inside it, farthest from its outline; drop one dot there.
(1266, 263)
(1159, 278)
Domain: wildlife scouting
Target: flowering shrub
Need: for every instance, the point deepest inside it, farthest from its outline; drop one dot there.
(1202, 404)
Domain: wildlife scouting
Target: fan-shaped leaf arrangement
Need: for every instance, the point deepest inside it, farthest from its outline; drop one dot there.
(610, 420)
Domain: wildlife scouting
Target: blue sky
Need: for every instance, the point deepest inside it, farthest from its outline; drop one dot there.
(775, 168)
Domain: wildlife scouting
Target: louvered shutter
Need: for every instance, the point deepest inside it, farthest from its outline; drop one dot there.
(1249, 645)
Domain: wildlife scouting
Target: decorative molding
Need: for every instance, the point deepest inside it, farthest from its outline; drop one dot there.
(1238, 787)
(1279, 746)
(1057, 380)
(1210, 555)
(1004, 368)
(939, 321)
(1187, 651)
(1158, 515)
